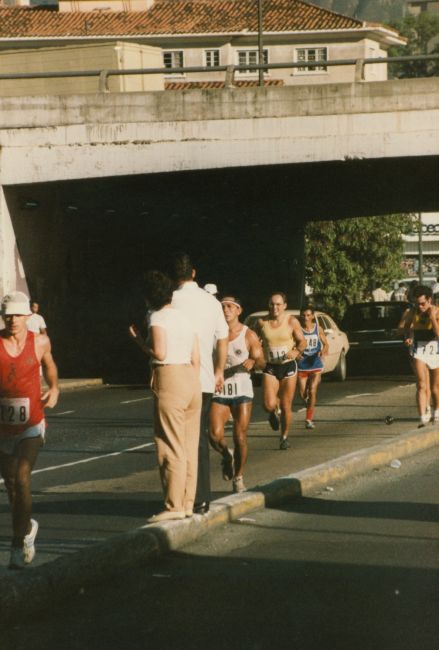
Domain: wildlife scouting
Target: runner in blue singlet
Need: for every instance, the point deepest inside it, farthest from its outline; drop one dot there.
(310, 364)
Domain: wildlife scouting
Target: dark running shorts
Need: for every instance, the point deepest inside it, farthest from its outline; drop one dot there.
(281, 370)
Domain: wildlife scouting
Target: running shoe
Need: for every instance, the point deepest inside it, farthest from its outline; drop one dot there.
(274, 421)
(238, 484)
(17, 560)
(228, 465)
(284, 444)
(425, 419)
(29, 542)
(309, 424)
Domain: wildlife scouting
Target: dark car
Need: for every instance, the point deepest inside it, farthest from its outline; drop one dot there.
(373, 326)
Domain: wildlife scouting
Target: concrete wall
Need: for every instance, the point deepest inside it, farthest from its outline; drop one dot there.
(101, 56)
(53, 138)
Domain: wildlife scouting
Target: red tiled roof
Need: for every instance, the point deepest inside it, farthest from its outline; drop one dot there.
(240, 83)
(172, 17)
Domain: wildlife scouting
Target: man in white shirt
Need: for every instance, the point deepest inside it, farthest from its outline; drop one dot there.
(207, 318)
(35, 322)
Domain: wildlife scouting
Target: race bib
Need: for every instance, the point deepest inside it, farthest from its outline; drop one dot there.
(234, 386)
(278, 353)
(312, 341)
(427, 348)
(14, 410)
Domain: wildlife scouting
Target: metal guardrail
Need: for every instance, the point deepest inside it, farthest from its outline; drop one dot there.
(229, 70)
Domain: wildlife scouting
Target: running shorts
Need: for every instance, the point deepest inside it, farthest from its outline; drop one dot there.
(427, 352)
(9, 444)
(281, 370)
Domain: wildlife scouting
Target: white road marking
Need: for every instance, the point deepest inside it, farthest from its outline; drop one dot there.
(89, 460)
(62, 413)
(141, 399)
(359, 395)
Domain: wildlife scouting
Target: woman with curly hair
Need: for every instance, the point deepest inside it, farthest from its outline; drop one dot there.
(173, 347)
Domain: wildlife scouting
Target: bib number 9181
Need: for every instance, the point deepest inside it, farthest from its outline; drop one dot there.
(14, 410)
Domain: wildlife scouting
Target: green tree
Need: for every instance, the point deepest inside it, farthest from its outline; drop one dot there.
(346, 257)
(420, 31)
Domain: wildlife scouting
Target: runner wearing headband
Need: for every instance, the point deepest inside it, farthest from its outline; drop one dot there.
(236, 397)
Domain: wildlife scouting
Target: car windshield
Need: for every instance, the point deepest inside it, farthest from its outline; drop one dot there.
(373, 316)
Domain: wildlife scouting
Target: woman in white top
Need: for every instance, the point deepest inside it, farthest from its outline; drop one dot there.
(173, 347)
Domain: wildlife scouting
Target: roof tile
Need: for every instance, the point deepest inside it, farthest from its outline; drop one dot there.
(172, 17)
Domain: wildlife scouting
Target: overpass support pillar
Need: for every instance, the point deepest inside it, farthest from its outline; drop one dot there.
(12, 275)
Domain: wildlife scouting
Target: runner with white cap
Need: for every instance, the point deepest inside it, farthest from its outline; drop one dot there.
(22, 423)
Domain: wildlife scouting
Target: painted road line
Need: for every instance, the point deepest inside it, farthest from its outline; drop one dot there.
(141, 399)
(63, 413)
(89, 460)
(359, 395)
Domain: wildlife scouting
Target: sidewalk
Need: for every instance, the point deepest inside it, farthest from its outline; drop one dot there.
(325, 460)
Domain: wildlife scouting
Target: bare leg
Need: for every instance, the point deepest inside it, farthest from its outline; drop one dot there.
(286, 396)
(16, 471)
(422, 386)
(219, 414)
(241, 416)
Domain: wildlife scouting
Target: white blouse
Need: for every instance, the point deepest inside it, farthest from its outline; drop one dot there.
(179, 335)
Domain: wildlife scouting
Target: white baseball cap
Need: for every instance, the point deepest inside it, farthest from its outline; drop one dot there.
(17, 303)
(211, 288)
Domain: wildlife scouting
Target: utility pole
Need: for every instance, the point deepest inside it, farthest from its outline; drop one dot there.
(420, 248)
(260, 44)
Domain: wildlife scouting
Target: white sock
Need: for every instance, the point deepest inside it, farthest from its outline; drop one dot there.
(425, 419)
(436, 415)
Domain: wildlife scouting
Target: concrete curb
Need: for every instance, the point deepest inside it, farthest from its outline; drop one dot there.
(26, 593)
(71, 384)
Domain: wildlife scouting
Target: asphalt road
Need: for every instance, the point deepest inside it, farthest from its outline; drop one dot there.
(97, 473)
(357, 567)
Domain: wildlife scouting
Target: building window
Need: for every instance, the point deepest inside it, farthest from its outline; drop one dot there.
(250, 57)
(173, 59)
(212, 58)
(312, 54)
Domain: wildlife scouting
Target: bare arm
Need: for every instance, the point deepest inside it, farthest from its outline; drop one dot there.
(256, 355)
(138, 339)
(405, 324)
(50, 372)
(195, 355)
(298, 337)
(220, 362)
(325, 349)
(158, 342)
(434, 317)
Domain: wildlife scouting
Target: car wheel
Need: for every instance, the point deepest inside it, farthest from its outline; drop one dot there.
(339, 373)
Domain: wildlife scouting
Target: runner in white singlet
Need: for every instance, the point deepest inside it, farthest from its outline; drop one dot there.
(236, 397)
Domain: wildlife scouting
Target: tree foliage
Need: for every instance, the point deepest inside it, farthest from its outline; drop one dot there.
(346, 257)
(420, 31)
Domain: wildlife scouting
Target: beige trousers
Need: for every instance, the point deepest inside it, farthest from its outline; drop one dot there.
(177, 406)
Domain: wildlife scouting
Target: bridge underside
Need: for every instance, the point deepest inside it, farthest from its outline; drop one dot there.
(84, 244)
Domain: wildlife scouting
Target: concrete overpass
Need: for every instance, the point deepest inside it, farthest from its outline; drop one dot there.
(96, 188)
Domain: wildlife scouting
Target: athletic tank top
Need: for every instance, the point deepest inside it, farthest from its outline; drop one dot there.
(277, 341)
(240, 383)
(313, 342)
(20, 389)
(422, 328)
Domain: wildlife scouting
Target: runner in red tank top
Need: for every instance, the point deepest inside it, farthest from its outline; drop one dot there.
(22, 423)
